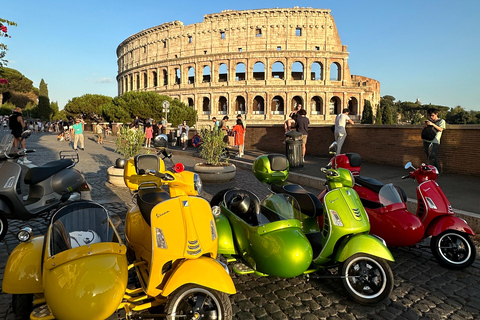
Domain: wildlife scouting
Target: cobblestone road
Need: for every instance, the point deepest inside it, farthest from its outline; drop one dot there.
(423, 289)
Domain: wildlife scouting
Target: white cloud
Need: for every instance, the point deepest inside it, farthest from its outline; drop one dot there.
(105, 80)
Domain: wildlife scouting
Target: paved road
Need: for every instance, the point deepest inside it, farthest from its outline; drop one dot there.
(423, 290)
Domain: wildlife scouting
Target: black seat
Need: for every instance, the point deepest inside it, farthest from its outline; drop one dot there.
(369, 183)
(355, 159)
(144, 162)
(38, 174)
(315, 240)
(309, 203)
(149, 198)
(249, 215)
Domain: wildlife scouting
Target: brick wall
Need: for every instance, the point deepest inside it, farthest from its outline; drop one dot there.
(392, 145)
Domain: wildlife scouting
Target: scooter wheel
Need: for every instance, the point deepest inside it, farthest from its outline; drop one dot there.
(367, 279)
(453, 249)
(197, 302)
(3, 226)
(22, 305)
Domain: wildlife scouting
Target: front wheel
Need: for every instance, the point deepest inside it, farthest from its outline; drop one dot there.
(453, 249)
(367, 279)
(3, 226)
(196, 302)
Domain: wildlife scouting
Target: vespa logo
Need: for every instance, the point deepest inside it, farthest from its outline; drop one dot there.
(162, 214)
(185, 203)
(332, 201)
(9, 183)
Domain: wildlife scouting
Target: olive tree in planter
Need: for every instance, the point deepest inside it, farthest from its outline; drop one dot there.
(129, 143)
(214, 168)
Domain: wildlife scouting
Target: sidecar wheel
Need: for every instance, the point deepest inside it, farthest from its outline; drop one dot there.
(367, 279)
(453, 249)
(22, 305)
(3, 226)
(196, 302)
(218, 197)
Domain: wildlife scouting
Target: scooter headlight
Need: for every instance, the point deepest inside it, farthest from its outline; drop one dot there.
(336, 218)
(161, 242)
(197, 182)
(25, 234)
(212, 229)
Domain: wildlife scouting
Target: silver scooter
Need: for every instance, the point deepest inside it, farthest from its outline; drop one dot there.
(50, 185)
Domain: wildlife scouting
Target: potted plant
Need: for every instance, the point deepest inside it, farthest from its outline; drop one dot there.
(129, 143)
(215, 167)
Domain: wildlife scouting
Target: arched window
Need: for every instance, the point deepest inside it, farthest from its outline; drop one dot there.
(138, 81)
(259, 71)
(155, 78)
(277, 105)
(316, 105)
(223, 73)
(258, 105)
(191, 75)
(278, 70)
(297, 71)
(206, 74)
(145, 80)
(353, 106)
(222, 105)
(240, 72)
(335, 72)
(316, 71)
(335, 105)
(178, 76)
(206, 105)
(165, 77)
(190, 102)
(240, 105)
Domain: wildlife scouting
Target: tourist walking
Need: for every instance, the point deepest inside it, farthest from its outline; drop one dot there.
(340, 132)
(17, 125)
(183, 132)
(100, 133)
(438, 125)
(77, 132)
(244, 123)
(239, 131)
(148, 134)
(301, 124)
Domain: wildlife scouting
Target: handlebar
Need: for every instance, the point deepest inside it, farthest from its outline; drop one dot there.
(15, 155)
(406, 176)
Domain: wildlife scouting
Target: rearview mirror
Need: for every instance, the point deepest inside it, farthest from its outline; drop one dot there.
(26, 134)
(333, 148)
(408, 165)
(166, 153)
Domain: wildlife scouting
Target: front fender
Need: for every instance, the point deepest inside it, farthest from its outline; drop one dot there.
(442, 223)
(23, 273)
(203, 271)
(363, 243)
(226, 244)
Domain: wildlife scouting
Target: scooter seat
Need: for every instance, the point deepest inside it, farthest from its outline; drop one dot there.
(147, 199)
(309, 203)
(38, 174)
(369, 183)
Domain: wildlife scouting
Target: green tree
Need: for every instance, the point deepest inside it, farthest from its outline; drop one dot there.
(88, 106)
(388, 109)
(367, 114)
(115, 111)
(43, 109)
(378, 115)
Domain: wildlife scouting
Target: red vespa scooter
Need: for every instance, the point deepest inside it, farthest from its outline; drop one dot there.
(389, 218)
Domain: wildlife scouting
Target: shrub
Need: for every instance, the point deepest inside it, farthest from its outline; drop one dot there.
(129, 142)
(212, 147)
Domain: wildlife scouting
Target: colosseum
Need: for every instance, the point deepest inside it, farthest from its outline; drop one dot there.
(260, 63)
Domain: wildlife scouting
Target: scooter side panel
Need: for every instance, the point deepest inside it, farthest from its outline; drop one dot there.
(10, 174)
(432, 202)
(226, 244)
(442, 223)
(23, 272)
(362, 243)
(203, 271)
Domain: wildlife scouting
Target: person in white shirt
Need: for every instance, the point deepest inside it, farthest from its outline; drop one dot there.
(340, 133)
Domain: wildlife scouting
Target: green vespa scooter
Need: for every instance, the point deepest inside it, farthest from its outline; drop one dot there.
(281, 236)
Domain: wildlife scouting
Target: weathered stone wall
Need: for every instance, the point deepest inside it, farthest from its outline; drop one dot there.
(392, 145)
(258, 62)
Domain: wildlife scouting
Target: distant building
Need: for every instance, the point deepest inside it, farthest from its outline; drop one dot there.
(260, 63)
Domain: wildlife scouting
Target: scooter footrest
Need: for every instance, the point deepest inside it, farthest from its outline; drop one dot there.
(42, 313)
(242, 268)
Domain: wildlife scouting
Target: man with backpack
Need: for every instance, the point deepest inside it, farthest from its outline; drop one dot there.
(438, 125)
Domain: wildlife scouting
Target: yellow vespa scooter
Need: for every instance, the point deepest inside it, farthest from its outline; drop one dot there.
(79, 270)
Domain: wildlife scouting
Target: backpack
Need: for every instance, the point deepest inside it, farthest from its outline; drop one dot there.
(429, 133)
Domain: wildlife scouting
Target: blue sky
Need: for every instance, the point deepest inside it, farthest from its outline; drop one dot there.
(422, 49)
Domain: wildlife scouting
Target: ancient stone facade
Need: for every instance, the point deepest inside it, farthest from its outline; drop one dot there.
(260, 63)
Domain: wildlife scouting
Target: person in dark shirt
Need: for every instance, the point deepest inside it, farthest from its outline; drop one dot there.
(17, 125)
(301, 124)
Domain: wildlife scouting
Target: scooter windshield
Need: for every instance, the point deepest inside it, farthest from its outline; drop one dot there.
(279, 206)
(6, 144)
(389, 195)
(78, 224)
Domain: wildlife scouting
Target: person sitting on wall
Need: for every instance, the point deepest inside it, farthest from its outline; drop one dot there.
(290, 123)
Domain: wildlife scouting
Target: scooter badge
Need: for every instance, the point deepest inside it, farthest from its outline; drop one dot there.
(185, 203)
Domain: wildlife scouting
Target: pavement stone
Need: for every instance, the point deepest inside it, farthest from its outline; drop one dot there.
(422, 290)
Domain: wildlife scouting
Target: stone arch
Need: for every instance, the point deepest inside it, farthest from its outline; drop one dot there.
(335, 105)
(258, 105)
(277, 106)
(191, 102)
(335, 72)
(178, 76)
(278, 70)
(191, 75)
(353, 105)
(165, 77)
(297, 71)
(240, 72)
(316, 105)
(155, 79)
(206, 105)
(296, 101)
(222, 105)
(240, 105)
(206, 74)
(259, 71)
(316, 71)
(138, 81)
(222, 73)
(145, 80)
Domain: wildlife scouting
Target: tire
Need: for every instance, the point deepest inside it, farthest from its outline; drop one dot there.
(3, 226)
(453, 249)
(197, 302)
(367, 279)
(22, 305)
(218, 197)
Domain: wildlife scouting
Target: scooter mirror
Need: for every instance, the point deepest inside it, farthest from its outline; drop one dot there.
(166, 153)
(408, 165)
(26, 134)
(333, 148)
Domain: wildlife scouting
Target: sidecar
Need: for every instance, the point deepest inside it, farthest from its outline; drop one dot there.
(267, 236)
(77, 271)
